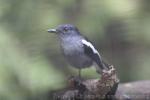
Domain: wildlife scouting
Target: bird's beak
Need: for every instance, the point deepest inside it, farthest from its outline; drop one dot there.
(52, 30)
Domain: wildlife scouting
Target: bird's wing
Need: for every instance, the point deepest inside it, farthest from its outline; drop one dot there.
(90, 51)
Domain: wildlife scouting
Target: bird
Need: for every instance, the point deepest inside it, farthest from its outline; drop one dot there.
(77, 49)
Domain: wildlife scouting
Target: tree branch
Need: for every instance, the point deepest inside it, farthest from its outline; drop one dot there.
(107, 88)
(91, 89)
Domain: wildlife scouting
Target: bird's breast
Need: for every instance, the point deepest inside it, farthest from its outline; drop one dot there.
(72, 46)
(74, 52)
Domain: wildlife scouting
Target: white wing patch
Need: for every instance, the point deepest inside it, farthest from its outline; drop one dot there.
(91, 46)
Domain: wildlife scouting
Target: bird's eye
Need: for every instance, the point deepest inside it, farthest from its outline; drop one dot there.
(65, 29)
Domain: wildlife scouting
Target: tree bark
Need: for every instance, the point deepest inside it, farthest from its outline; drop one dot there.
(134, 90)
(91, 89)
(105, 88)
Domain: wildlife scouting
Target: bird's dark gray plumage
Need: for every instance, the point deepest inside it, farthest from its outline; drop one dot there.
(77, 49)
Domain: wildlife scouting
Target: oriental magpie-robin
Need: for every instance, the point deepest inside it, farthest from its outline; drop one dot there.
(77, 49)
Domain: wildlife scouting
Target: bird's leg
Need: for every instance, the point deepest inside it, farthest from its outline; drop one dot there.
(80, 73)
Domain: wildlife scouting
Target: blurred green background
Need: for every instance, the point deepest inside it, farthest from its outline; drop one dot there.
(31, 64)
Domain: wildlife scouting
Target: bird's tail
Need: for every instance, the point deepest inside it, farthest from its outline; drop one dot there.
(102, 66)
(105, 65)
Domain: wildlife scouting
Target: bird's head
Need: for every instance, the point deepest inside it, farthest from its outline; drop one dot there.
(65, 30)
